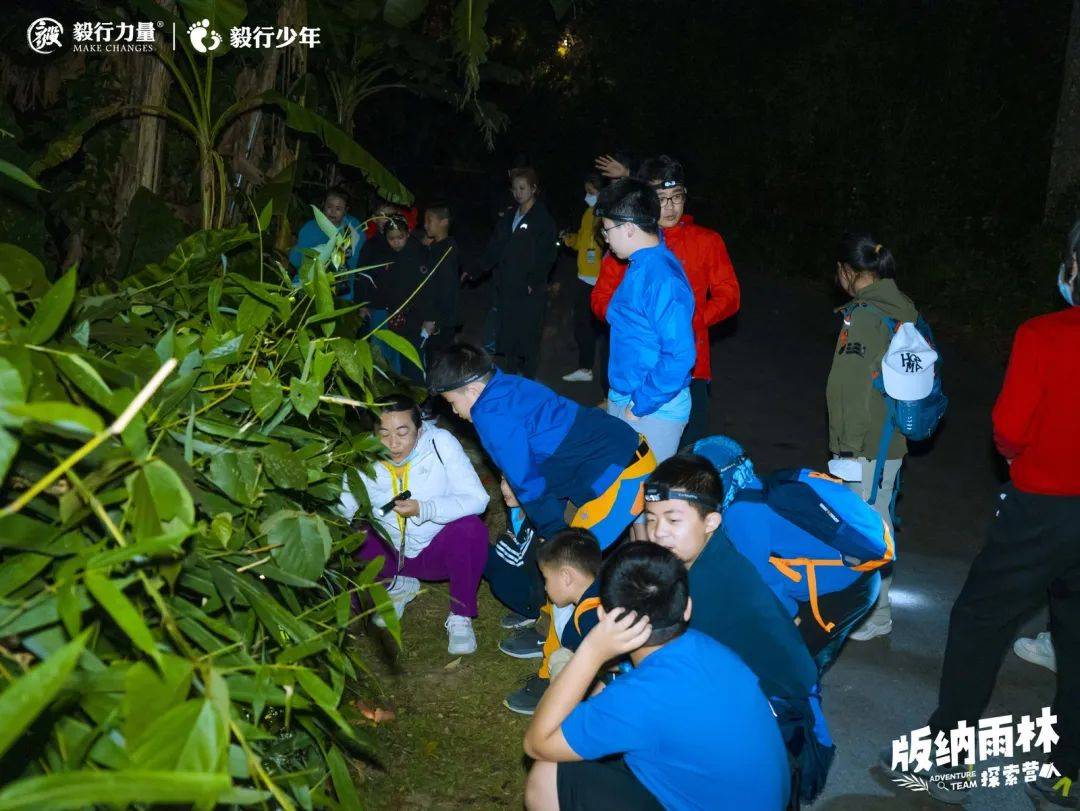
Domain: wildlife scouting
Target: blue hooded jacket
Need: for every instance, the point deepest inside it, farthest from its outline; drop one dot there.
(652, 334)
(312, 236)
(550, 449)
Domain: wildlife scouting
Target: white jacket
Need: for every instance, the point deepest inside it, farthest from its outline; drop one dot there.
(441, 479)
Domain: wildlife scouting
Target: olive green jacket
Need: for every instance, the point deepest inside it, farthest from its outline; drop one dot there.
(856, 408)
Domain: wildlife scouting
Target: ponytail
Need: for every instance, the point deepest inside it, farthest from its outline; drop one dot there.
(861, 252)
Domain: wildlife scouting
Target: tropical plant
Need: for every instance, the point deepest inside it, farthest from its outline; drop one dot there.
(175, 587)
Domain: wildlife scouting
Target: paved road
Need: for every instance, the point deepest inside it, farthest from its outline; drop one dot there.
(769, 376)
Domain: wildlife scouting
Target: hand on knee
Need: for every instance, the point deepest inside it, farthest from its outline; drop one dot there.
(541, 787)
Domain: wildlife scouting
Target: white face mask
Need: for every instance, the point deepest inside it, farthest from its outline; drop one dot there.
(590, 200)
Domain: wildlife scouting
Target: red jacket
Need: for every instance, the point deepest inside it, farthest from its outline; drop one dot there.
(705, 260)
(1037, 414)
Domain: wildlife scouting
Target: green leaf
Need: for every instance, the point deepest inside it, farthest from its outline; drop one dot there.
(560, 7)
(149, 693)
(301, 542)
(399, 13)
(123, 612)
(319, 690)
(252, 315)
(284, 467)
(65, 416)
(22, 269)
(236, 475)
(185, 738)
(354, 357)
(32, 692)
(85, 377)
(159, 501)
(263, 219)
(344, 787)
(304, 395)
(399, 343)
(52, 308)
(18, 570)
(116, 788)
(12, 388)
(222, 14)
(266, 394)
(470, 40)
(324, 223)
(347, 150)
(204, 249)
(17, 174)
(64, 147)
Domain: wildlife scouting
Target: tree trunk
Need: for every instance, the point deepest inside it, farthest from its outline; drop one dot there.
(1064, 174)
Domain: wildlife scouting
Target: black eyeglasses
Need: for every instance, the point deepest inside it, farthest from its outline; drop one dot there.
(676, 199)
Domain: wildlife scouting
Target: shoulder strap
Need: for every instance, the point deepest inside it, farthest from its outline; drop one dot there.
(588, 604)
(439, 455)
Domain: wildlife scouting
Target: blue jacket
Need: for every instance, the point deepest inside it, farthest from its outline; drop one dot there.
(652, 334)
(551, 450)
(312, 236)
(757, 531)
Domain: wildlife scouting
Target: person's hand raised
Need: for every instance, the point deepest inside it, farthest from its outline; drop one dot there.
(609, 167)
(618, 632)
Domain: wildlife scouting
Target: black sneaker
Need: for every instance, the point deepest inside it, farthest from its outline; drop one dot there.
(523, 644)
(524, 700)
(950, 786)
(513, 621)
(1048, 792)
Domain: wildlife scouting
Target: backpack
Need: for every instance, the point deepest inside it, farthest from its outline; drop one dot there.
(915, 419)
(828, 510)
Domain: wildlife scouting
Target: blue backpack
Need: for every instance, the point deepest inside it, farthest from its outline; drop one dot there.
(915, 419)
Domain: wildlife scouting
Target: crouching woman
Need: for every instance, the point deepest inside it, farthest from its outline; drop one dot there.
(435, 534)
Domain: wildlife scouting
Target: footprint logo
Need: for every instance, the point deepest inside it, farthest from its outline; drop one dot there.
(197, 33)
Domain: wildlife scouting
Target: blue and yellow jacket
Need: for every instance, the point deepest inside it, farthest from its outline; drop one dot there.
(652, 333)
(550, 449)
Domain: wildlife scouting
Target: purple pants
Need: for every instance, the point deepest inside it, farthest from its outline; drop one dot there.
(458, 554)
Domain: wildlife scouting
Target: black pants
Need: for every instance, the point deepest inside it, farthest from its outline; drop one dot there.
(521, 323)
(586, 327)
(845, 609)
(608, 783)
(1031, 556)
(697, 427)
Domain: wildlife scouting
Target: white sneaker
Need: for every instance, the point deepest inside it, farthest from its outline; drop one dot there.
(872, 626)
(579, 376)
(462, 638)
(402, 592)
(1038, 651)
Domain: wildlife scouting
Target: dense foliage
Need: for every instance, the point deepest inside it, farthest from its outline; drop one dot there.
(175, 588)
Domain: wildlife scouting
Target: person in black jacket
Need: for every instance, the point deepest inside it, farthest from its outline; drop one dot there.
(522, 251)
(444, 260)
(398, 264)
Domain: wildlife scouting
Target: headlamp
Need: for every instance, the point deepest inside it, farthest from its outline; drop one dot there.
(661, 492)
(621, 218)
(465, 381)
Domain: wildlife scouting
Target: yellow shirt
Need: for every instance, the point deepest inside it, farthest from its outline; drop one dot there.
(588, 252)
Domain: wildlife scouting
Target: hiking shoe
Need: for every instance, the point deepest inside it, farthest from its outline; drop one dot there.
(402, 592)
(460, 631)
(951, 791)
(579, 376)
(872, 626)
(1052, 792)
(512, 621)
(523, 701)
(1038, 651)
(523, 644)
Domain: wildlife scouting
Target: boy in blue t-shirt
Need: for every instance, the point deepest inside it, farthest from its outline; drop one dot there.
(662, 735)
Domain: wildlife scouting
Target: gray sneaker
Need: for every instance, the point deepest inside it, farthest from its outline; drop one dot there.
(953, 791)
(513, 621)
(523, 644)
(524, 700)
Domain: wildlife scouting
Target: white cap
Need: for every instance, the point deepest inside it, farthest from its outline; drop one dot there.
(907, 370)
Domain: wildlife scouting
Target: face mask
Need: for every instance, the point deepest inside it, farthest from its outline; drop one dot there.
(590, 200)
(1064, 286)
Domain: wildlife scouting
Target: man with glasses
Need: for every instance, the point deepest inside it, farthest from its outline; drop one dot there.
(704, 258)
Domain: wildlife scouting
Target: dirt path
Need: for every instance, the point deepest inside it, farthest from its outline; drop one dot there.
(454, 746)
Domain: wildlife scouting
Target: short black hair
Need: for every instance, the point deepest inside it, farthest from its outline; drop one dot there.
(393, 222)
(400, 402)
(693, 474)
(861, 252)
(649, 580)
(595, 179)
(338, 192)
(442, 211)
(630, 200)
(574, 547)
(662, 171)
(456, 363)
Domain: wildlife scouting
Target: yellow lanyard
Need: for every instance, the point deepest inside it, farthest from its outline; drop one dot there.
(399, 483)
